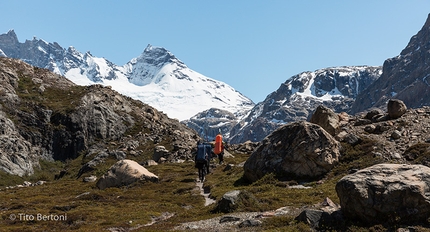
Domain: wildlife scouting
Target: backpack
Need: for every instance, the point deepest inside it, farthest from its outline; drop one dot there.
(203, 152)
(218, 144)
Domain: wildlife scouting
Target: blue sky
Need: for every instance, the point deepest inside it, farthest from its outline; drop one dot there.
(253, 46)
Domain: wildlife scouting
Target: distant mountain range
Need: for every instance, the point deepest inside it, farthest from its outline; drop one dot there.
(161, 80)
(156, 77)
(299, 96)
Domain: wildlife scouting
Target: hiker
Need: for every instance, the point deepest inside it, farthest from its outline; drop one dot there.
(219, 148)
(202, 159)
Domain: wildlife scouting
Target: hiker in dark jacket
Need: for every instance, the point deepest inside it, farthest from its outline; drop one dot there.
(202, 158)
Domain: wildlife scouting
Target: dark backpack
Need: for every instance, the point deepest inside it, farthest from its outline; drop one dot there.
(203, 152)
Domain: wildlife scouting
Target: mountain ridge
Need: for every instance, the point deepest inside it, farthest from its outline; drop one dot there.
(404, 77)
(299, 95)
(156, 77)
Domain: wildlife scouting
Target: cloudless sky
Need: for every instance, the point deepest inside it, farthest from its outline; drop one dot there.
(254, 46)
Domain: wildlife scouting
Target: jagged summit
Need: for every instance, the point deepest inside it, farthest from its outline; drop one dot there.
(148, 67)
(159, 56)
(405, 77)
(156, 77)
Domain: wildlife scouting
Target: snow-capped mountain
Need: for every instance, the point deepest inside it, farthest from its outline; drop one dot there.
(156, 77)
(299, 96)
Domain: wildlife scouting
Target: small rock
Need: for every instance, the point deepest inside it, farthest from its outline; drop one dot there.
(362, 121)
(229, 219)
(40, 182)
(370, 128)
(27, 184)
(160, 152)
(151, 163)
(249, 223)
(228, 167)
(311, 217)
(396, 155)
(299, 186)
(396, 134)
(90, 179)
(374, 113)
(228, 201)
(83, 194)
(352, 139)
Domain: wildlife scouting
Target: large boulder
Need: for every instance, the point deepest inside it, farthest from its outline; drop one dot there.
(396, 108)
(386, 192)
(327, 119)
(299, 149)
(125, 172)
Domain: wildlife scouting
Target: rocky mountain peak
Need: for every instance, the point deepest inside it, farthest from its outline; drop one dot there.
(420, 40)
(159, 56)
(10, 36)
(405, 77)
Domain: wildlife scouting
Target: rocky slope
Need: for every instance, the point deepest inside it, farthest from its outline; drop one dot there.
(156, 77)
(46, 116)
(298, 97)
(404, 77)
(211, 122)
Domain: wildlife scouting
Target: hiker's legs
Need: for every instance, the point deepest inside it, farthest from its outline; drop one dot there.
(201, 173)
(201, 170)
(221, 157)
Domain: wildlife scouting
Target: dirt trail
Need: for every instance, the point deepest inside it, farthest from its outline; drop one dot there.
(208, 200)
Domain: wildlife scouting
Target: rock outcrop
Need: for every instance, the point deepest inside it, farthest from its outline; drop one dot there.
(300, 149)
(46, 116)
(327, 119)
(211, 122)
(232, 200)
(125, 172)
(386, 192)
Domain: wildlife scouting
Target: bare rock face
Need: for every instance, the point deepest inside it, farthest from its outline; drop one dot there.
(125, 172)
(16, 154)
(404, 77)
(396, 108)
(211, 122)
(299, 149)
(386, 192)
(327, 119)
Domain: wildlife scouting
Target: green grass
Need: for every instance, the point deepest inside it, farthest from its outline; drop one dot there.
(59, 100)
(176, 193)
(101, 209)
